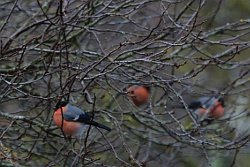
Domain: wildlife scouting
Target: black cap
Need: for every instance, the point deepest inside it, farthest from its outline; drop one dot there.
(61, 104)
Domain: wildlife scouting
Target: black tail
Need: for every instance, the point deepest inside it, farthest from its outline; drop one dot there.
(99, 125)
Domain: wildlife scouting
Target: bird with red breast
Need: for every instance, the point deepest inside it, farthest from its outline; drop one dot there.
(138, 94)
(72, 120)
(208, 108)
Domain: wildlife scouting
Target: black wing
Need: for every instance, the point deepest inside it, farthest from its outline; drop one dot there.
(75, 114)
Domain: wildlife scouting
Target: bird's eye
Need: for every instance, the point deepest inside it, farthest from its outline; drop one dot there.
(132, 92)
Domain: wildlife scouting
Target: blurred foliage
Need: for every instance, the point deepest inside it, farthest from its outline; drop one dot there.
(77, 50)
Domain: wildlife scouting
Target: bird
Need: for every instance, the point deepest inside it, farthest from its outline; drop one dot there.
(208, 108)
(72, 120)
(139, 95)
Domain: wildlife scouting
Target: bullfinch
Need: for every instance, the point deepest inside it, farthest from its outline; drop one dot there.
(208, 108)
(72, 120)
(138, 94)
